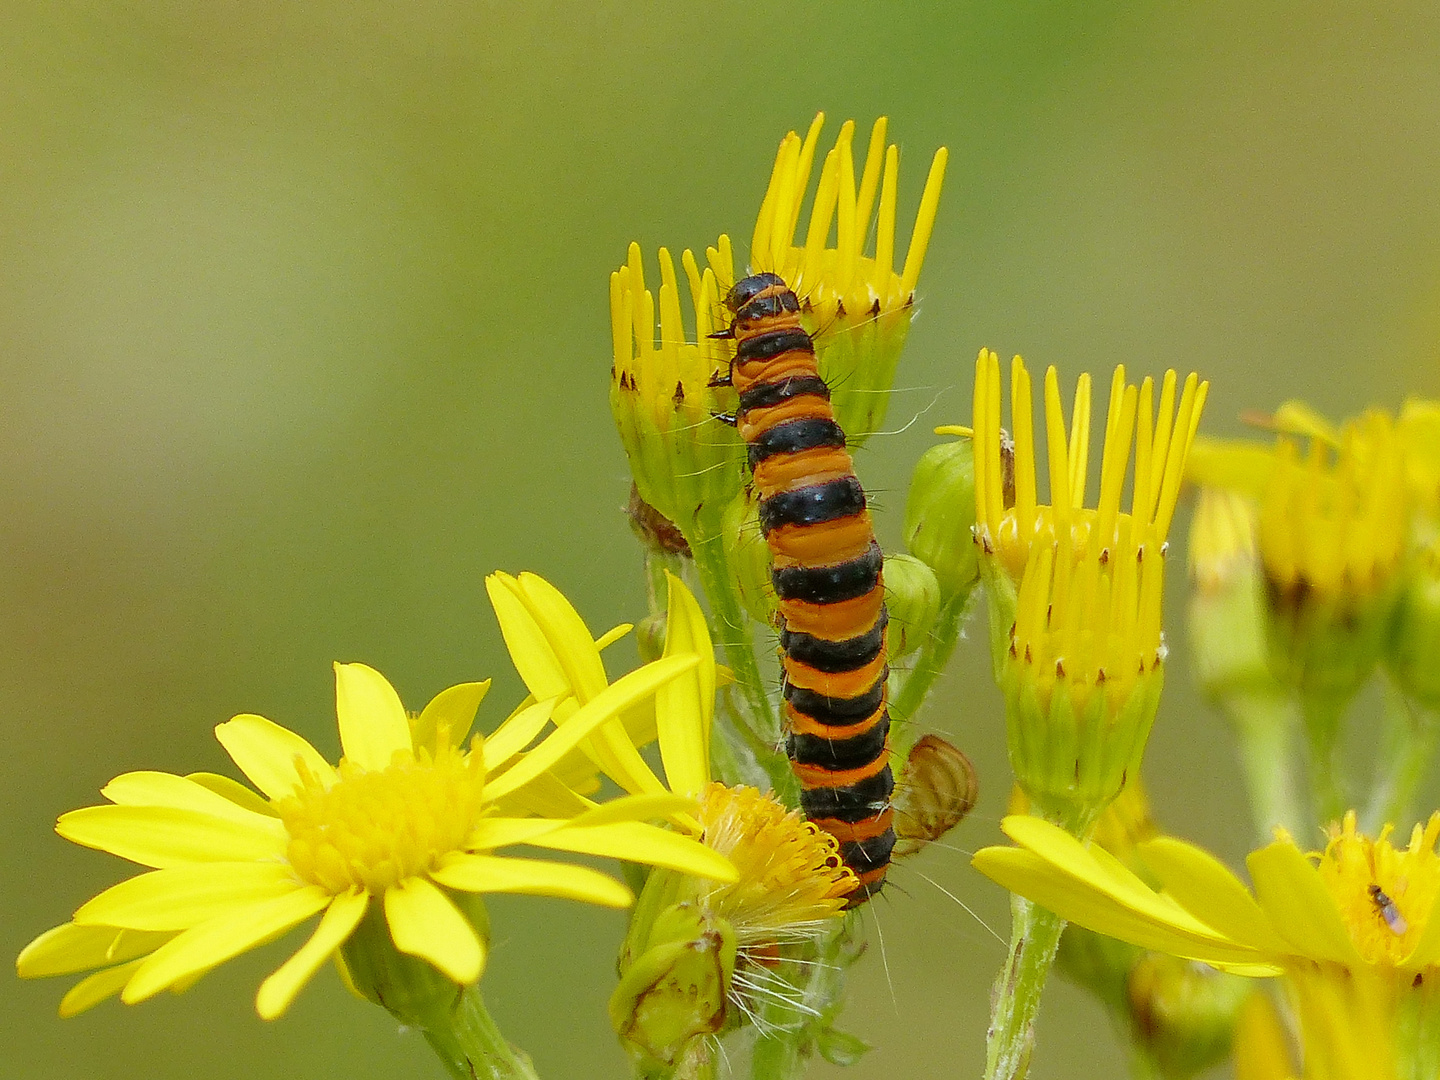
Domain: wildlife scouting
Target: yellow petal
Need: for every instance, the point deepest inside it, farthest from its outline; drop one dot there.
(1203, 886)
(267, 754)
(1262, 1048)
(452, 710)
(530, 651)
(233, 790)
(636, 808)
(101, 986)
(160, 836)
(684, 707)
(1298, 904)
(1235, 466)
(176, 792)
(1298, 418)
(502, 831)
(640, 724)
(516, 733)
(70, 948)
(186, 896)
(210, 944)
(1103, 874)
(567, 633)
(338, 922)
(373, 725)
(614, 634)
(566, 661)
(424, 923)
(613, 750)
(637, 842)
(548, 796)
(490, 873)
(1078, 901)
(604, 706)
(1074, 859)
(1427, 950)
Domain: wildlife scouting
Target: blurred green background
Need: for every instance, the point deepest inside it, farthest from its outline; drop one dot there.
(303, 330)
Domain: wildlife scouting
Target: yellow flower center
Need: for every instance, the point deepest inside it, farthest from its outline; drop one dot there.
(374, 829)
(1385, 895)
(791, 876)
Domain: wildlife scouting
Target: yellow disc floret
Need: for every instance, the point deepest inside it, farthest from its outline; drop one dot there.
(1385, 894)
(791, 875)
(375, 829)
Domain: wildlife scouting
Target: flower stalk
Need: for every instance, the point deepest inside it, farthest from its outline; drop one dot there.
(452, 1018)
(1015, 997)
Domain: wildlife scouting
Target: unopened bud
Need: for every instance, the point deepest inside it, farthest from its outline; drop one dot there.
(940, 515)
(674, 992)
(912, 595)
(1183, 1012)
(1227, 602)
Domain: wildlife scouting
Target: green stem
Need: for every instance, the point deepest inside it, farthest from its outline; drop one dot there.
(1406, 751)
(1015, 998)
(1323, 713)
(1263, 723)
(788, 1034)
(1143, 1065)
(471, 1046)
(737, 756)
(930, 661)
(657, 588)
(730, 626)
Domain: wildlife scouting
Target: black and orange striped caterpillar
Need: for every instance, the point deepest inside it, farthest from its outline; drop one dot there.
(827, 570)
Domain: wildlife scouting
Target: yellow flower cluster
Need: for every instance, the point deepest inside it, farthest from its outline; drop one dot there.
(406, 825)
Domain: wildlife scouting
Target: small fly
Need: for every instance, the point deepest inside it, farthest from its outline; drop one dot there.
(1388, 911)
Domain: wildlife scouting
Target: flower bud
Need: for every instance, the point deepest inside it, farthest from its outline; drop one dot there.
(1227, 601)
(940, 515)
(1183, 1012)
(687, 465)
(1074, 592)
(1335, 508)
(912, 595)
(674, 991)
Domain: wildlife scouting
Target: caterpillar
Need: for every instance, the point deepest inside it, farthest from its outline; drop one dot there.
(827, 571)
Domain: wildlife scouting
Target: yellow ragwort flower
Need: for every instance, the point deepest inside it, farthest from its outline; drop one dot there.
(1353, 929)
(697, 957)
(1339, 511)
(406, 824)
(858, 306)
(1075, 591)
(685, 464)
